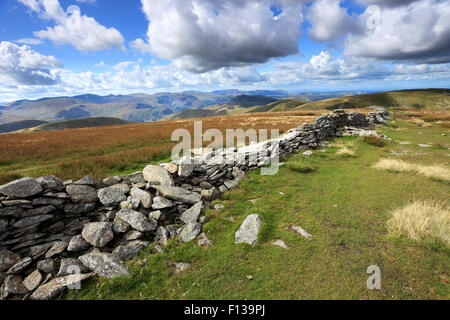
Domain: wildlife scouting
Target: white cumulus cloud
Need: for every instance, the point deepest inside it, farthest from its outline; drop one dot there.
(202, 35)
(24, 66)
(418, 32)
(81, 31)
(330, 21)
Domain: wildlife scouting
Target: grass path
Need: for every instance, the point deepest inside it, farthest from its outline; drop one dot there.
(344, 203)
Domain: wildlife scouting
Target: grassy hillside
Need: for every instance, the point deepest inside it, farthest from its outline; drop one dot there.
(416, 99)
(110, 150)
(19, 125)
(77, 123)
(341, 200)
(233, 109)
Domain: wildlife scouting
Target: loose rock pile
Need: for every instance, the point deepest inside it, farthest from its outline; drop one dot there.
(54, 234)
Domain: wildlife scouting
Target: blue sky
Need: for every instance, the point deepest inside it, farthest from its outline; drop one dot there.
(69, 47)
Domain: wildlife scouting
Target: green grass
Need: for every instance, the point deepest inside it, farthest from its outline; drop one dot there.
(343, 203)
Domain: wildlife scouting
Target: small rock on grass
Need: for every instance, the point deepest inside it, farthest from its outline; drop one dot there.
(301, 231)
(280, 243)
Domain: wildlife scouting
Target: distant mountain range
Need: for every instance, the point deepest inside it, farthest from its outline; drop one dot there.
(140, 107)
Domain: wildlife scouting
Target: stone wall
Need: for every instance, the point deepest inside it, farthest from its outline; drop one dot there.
(51, 231)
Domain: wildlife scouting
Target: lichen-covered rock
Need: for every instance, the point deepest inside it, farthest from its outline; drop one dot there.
(71, 266)
(29, 221)
(33, 280)
(90, 181)
(57, 286)
(98, 234)
(136, 220)
(130, 250)
(155, 175)
(13, 284)
(81, 193)
(179, 194)
(20, 266)
(57, 248)
(161, 203)
(203, 241)
(144, 197)
(51, 183)
(22, 188)
(111, 196)
(161, 235)
(8, 259)
(190, 231)
(47, 266)
(192, 214)
(120, 226)
(105, 264)
(248, 231)
(77, 243)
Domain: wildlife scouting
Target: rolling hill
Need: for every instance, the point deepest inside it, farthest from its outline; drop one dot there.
(239, 105)
(416, 99)
(138, 107)
(19, 125)
(76, 124)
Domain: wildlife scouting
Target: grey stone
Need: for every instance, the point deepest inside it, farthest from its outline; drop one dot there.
(143, 196)
(132, 235)
(231, 184)
(110, 181)
(137, 220)
(46, 266)
(130, 250)
(45, 201)
(105, 264)
(155, 215)
(33, 280)
(161, 203)
(81, 193)
(77, 243)
(179, 267)
(120, 226)
(190, 231)
(98, 234)
(170, 167)
(179, 194)
(90, 181)
(29, 221)
(280, 243)
(210, 194)
(185, 167)
(111, 196)
(302, 232)
(248, 231)
(155, 175)
(161, 235)
(3, 225)
(79, 208)
(57, 248)
(13, 284)
(22, 188)
(51, 183)
(122, 186)
(218, 206)
(203, 241)
(192, 214)
(20, 266)
(71, 266)
(57, 286)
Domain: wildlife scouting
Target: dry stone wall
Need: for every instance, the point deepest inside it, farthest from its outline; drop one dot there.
(51, 231)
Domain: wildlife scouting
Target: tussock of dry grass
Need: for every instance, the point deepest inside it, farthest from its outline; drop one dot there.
(345, 147)
(421, 220)
(436, 172)
(345, 151)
